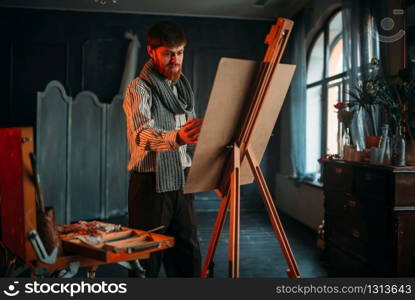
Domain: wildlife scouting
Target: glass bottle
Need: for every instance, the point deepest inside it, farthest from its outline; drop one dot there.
(384, 146)
(398, 149)
(346, 143)
(346, 137)
(340, 140)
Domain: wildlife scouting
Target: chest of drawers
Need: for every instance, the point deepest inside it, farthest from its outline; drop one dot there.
(369, 219)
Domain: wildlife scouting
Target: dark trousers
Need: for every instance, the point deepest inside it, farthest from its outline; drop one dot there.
(148, 209)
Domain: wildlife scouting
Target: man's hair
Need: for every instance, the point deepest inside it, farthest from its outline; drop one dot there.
(165, 33)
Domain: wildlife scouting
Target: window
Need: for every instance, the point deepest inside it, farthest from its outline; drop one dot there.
(326, 79)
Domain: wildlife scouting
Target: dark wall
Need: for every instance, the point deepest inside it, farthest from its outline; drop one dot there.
(86, 51)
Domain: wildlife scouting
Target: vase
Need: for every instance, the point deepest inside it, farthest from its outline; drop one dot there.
(410, 153)
(372, 141)
(384, 146)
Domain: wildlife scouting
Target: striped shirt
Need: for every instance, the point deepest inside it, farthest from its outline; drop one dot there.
(144, 139)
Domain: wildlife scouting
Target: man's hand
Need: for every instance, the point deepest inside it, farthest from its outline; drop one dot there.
(189, 133)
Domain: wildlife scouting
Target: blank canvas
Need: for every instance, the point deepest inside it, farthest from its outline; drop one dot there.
(230, 95)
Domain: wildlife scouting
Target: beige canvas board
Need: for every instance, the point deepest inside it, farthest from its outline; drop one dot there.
(230, 92)
(267, 117)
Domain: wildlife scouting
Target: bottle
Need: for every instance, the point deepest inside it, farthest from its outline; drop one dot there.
(398, 149)
(346, 137)
(384, 146)
(346, 144)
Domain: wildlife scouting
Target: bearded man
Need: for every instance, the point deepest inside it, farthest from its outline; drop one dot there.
(162, 132)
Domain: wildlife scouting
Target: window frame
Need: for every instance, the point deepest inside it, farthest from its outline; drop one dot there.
(325, 81)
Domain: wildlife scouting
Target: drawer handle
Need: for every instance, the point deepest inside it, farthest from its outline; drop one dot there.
(356, 233)
(338, 170)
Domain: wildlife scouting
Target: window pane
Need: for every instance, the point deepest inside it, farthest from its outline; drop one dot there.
(334, 96)
(335, 27)
(316, 61)
(335, 65)
(336, 59)
(313, 129)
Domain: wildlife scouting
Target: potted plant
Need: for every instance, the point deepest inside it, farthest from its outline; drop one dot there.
(364, 97)
(397, 96)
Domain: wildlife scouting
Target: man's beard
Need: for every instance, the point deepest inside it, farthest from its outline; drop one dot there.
(169, 72)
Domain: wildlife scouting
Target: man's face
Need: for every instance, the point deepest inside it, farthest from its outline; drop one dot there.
(168, 60)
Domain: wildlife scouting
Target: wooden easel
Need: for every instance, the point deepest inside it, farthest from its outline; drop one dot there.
(229, 189)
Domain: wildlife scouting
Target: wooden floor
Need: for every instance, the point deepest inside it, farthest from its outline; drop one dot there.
(260, 255)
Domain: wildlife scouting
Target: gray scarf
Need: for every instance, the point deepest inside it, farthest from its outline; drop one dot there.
(165, 105)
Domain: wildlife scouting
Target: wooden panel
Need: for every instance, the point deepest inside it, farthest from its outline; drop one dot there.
(345, 252)
(345, 215)
(405, 189)
(371, 183)
(405, 254)
(98, 169)
(53, 112)
(86, 158)
(5, 81)
(342, 264)
(351, 226)
(338, 202)
(103, 65)
(338, 178)
(18, 211)
(355, 248)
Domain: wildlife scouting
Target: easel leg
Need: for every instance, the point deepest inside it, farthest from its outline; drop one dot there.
(217, 229)
(292, 271)
(234, 222)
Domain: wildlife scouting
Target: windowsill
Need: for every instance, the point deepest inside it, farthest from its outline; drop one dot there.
(315, 184)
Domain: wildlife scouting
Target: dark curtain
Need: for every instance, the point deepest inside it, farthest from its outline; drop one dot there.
(296, 53)
(361, 44)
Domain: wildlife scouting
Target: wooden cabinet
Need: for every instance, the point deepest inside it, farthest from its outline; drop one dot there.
(369, 219)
